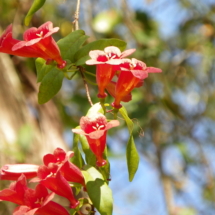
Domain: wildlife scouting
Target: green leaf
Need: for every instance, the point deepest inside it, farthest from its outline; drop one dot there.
(89, 156)
(83, 54)
(105, 171)
(42, 69)
(98, 190)
(131, 151)
(128, 121)
(132, 158)
(72, 212)
(50, 85)
(37, 4)
(77, 158)
(71, 43)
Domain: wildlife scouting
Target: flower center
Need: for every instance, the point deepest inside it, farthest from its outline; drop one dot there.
(40, 34)
(111, 56)
(39, 201)
(51, 174)
(132, 65)
(98, 127)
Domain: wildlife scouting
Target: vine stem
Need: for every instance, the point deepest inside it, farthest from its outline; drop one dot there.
(86, 86)
(77, 15)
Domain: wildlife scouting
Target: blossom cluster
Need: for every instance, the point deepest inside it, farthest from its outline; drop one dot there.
(114, 73)
(55, 175)
(38, 42)
(130, 73)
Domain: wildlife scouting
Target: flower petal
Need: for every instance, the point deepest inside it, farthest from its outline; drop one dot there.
(127, 53)
(93, 62)
(60, 186)
(153, 70)
(96, 53)
(113, 50)
(112, 123)
(78, 131)
(141, 74)
(96, 134)
(23, 209)
(52, 208)
(114, 61)
(14, 171)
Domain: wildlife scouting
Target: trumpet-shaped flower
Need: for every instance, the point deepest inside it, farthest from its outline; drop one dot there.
(38, 201)
(40, 39)
(107, 63)
(14, 171)
(95, 127)
(54, 181)
(7, 42)
(133, 72)
(31, 201)
(16, 191)
(69, 171)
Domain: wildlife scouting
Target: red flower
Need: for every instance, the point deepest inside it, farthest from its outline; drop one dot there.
(133, 72)
(54, 181)
(107, 62)
(111, 90)
(36, 201)
(7, 42)
(95, 127)
(69, 171)
(14, 171)
(40, 39)
(16, 191)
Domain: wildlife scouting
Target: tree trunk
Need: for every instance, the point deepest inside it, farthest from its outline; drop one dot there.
(27, 130)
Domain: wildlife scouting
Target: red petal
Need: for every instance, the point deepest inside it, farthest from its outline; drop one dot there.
(60, 186)
(52, 208)
(49, 158)
(11, 196)
(60, 154)
(153, 70)
(23, 209)
(43, 172)
(16, 191)
(72, 173)
(14, 171)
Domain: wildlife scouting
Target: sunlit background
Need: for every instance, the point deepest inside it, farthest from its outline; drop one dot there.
(173, 113)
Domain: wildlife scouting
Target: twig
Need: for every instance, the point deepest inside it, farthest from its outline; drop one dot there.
(86, 86)
(75, 22)
(166, 181)
(209, 170)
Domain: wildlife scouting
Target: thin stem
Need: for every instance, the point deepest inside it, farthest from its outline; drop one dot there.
(71, 77)
(115, 112)
(90, 73)
(86, 86)
(87, 80)
(166, 181)
(102, 102)
(77, 15)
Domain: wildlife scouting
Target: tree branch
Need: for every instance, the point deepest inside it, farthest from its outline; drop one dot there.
(75, 22)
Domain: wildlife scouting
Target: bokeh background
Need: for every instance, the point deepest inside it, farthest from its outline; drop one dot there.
(173, 113)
